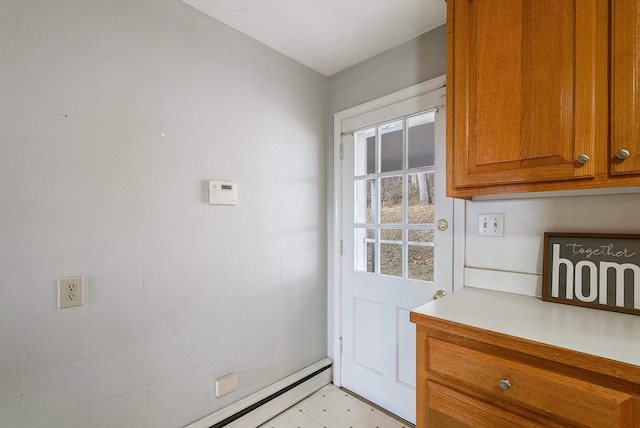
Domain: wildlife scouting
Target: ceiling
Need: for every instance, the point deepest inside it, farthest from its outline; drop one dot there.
(328, 35)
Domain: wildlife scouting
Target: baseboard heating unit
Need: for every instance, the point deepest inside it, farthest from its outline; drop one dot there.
(265, 404)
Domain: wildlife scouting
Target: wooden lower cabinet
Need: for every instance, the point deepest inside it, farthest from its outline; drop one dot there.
(469, 377)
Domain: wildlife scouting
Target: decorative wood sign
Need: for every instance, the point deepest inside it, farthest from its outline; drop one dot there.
(599, 271)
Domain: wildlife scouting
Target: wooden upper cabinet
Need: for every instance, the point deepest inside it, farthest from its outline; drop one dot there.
(625, 87)
(526, 93)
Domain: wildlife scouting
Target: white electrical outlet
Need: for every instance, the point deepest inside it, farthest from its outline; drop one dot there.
(70, 292)
(490, 224)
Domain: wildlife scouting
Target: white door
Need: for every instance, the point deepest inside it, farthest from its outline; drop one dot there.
(394, 255)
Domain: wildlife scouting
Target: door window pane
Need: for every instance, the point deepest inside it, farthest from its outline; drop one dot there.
(391, 146)
(391, 259)
(365, 152)
(421, 139)
(420, 262)
(364, 199)
(391, 206)
(391, 235)
(421, 202)
(371, 257)
(364, 249)
(421, 235)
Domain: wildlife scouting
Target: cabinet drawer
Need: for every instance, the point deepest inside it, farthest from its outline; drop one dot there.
(448, 408)
(534, 388)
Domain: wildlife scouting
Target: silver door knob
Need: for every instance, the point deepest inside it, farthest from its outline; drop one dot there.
(504, 384)
(623, 154)
(583, 158)
(442, 225)
(438, 294)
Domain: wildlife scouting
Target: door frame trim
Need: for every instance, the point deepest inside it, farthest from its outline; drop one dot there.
(334, 312)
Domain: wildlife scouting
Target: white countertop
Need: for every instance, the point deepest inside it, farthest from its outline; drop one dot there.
(606, 334)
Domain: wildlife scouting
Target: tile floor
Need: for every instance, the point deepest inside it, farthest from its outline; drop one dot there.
(331, 407)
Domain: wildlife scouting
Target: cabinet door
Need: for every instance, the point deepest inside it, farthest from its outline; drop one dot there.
(625, 90)
(524, 80)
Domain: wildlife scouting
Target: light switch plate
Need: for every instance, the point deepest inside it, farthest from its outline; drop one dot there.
(490, 224)
(70, 292)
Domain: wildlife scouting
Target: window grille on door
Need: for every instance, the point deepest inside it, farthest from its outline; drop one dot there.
(394, 198)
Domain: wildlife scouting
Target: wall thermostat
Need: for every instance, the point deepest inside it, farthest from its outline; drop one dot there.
(223, 193)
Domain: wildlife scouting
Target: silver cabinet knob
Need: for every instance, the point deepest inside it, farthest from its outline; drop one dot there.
(442, 225)
(623, 154)
(504, 384)
(583, 158)
(438, 294)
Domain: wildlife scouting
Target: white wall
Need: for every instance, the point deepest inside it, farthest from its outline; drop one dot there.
(179, 292)
(416, 61)
(513, 263)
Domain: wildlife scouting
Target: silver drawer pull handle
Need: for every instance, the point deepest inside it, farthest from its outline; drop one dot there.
(623, 154)
(583, 158)
(504, 384)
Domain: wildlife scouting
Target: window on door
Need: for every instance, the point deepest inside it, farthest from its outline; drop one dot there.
(394, 198)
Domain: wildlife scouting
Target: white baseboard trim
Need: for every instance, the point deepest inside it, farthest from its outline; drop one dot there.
(277, 398)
